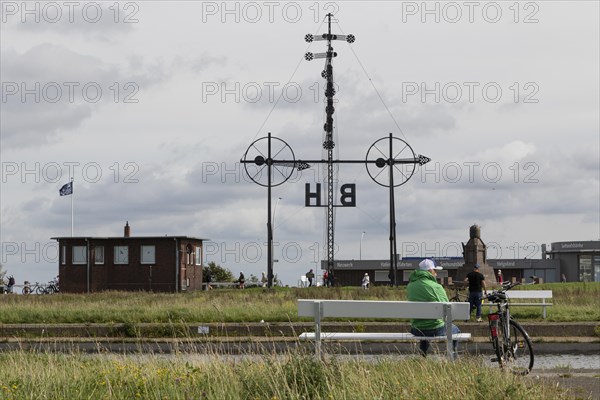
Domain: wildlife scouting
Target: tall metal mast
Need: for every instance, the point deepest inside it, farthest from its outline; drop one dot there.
(328, 143)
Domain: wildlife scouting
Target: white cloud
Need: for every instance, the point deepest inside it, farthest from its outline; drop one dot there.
(527, 171)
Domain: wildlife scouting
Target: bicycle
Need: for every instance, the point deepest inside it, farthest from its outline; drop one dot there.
(51, 287)
(28, 288)
(458, 297)
(510, 341)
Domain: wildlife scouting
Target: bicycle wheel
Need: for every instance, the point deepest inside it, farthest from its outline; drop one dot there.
(26, 290)
(496, 337)
(40, 290)
(518, 357)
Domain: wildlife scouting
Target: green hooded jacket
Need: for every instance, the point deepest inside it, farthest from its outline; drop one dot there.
(422, 286)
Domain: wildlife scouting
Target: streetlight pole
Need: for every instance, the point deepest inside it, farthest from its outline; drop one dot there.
(272, 231)
(361, 239)
(274, 210)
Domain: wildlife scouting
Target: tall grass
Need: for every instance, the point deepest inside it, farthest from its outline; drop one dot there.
(30, 375)
(572, 302)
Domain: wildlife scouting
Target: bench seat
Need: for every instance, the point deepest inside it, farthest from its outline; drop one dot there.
(377, 336)
(374, 309)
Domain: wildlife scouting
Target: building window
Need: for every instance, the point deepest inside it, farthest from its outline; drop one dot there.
(585, 268)
(148, 254)
(121, 255)
(63, 255)
(99, 254)
(79, 255)
(198, 255)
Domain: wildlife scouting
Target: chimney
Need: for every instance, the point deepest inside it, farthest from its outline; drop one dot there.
(127, 230)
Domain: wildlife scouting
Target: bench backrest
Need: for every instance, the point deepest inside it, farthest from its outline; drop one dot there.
(382, 309)
(529, 294)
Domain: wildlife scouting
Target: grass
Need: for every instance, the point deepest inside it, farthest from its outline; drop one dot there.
(37, 375)
(572, 302)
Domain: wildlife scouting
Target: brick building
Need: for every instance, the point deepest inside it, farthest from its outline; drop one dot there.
(149, 263)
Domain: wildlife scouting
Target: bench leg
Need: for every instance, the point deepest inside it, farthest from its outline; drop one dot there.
(544, 308)
(448, 322)
(317, 313)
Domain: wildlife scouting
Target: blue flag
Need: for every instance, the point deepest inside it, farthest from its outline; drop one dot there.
(66, 189)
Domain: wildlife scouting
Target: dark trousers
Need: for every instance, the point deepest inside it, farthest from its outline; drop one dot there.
(424, 344)
(475, 301)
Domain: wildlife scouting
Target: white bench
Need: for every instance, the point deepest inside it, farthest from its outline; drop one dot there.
(319, 309)
(529, 294)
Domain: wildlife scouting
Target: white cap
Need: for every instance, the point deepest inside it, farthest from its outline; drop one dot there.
(428, 264)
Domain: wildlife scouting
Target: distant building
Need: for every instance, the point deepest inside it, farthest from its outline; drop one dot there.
(578, 261)
(142, 263)
(350, 272)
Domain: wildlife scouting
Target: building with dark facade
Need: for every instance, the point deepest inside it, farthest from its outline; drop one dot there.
(132, 263)
(578, 261)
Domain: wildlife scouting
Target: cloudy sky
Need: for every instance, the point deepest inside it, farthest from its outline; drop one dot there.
(150, 106)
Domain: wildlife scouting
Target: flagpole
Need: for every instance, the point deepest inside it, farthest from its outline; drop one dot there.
(72, 195)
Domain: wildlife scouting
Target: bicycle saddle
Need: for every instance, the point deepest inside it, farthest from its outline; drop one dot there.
(496, 297)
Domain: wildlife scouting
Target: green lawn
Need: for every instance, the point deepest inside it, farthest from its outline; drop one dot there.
(33, 375)
(572, 302)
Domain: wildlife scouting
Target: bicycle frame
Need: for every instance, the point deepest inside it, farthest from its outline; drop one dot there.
(511, 342)
(503, 316)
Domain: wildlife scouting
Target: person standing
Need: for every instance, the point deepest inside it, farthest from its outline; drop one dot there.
(477, 286)
(264, 280)
(310, 275)
(366, 281)
(500, 278)
(11, 284)
(241, 280)
(423, 286)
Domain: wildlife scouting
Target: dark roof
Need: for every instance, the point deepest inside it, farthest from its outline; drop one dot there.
(124, 237)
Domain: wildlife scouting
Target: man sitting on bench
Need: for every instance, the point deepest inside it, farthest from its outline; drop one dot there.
(423, 286)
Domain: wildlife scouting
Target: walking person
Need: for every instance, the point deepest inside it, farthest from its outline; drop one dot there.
(477, 287)
(423, 286)
(310, 275)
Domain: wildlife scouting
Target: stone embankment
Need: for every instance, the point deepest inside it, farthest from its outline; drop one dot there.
(538, 331)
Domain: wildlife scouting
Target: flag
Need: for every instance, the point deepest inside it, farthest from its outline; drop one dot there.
(66, 189)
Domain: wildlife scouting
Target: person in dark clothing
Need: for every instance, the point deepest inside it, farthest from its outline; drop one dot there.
(242, 280)
(476, 289)
(310, 275)
(11, 283)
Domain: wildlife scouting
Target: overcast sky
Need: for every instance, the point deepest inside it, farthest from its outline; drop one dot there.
(151, 105)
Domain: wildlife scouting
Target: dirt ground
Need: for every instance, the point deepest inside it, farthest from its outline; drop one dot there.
(581, 384)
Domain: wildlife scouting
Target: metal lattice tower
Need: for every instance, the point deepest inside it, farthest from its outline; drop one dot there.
(328, 143)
